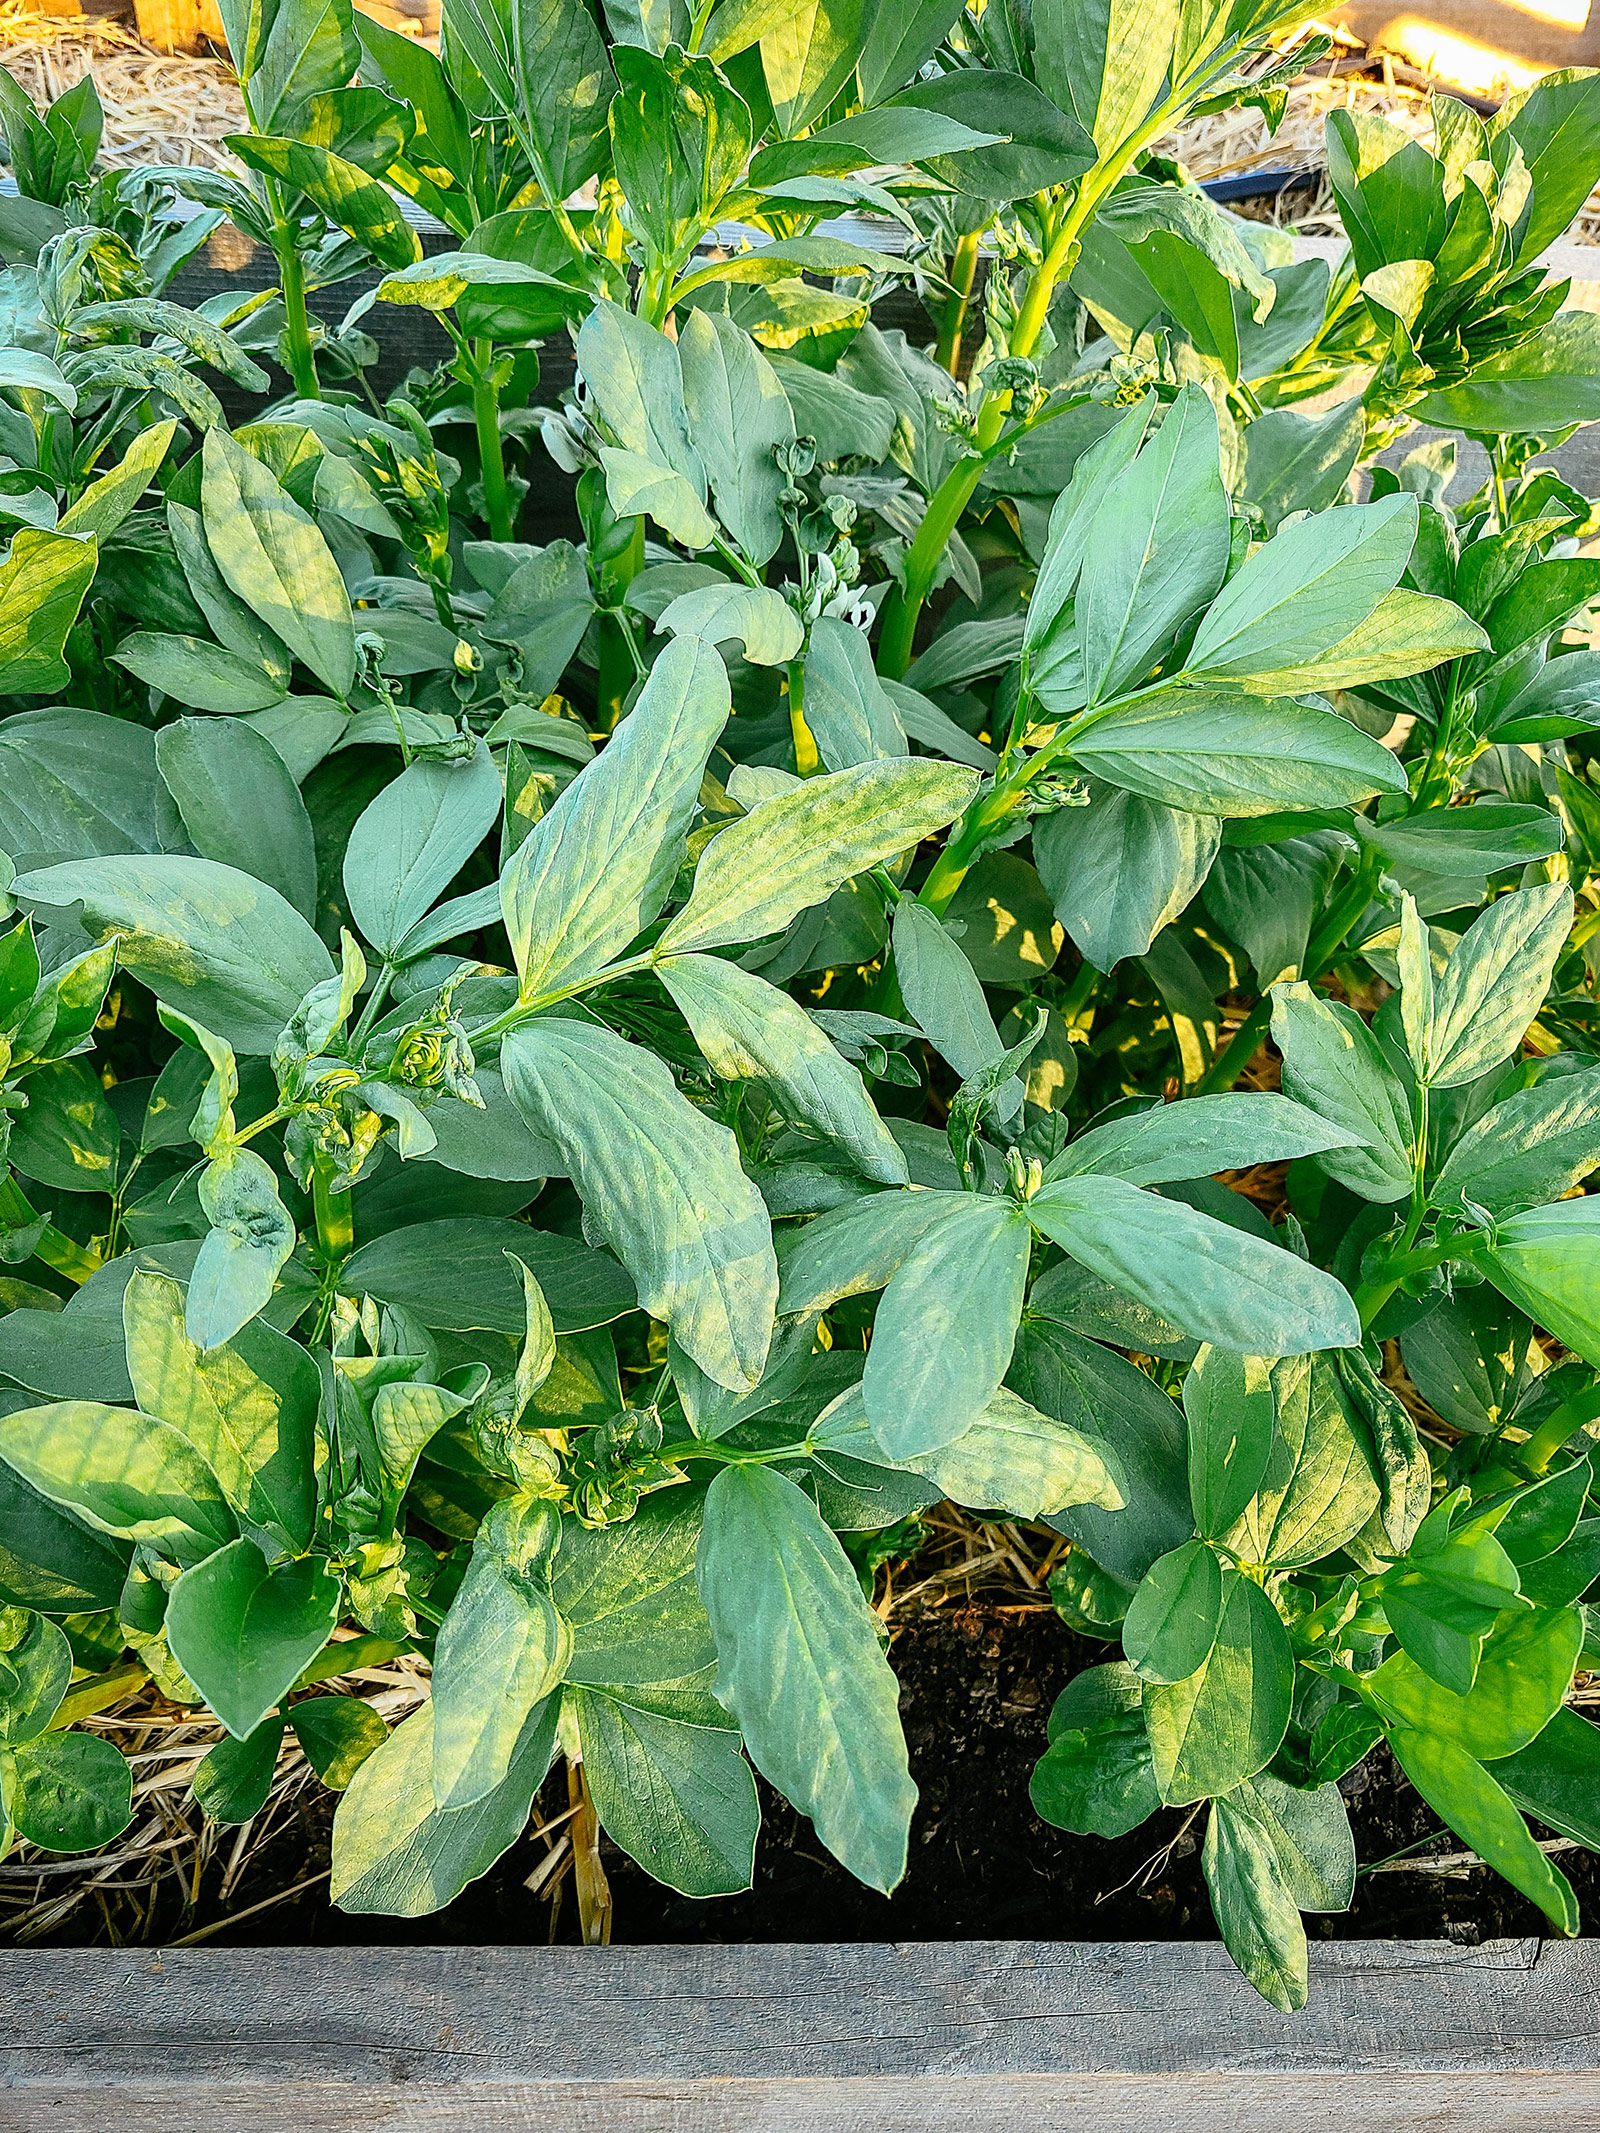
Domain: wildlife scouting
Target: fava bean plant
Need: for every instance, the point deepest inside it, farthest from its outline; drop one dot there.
(1016, 922)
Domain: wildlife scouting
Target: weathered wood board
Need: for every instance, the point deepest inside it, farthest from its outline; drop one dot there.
(984, 2037)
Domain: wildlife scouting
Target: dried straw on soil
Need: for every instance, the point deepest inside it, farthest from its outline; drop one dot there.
(115, 1895)
(161, 107)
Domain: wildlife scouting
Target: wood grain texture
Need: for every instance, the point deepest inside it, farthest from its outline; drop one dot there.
(1022, 2103)
(985, 2037)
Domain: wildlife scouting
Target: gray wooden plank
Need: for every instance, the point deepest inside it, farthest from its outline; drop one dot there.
(1019, 2103)
(972, 2011)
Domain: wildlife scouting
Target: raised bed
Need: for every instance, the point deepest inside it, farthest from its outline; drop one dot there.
(983, 2035)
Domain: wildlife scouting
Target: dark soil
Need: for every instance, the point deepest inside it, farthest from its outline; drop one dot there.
(978, 1684)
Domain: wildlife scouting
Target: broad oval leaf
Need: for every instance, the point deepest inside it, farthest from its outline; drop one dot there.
(795, 849)
(121, 1472)
(661, 1181)
(223, 949)
(273, 557)
(598, 866)
(1217, 751)
(1219, 1283)
(244, 1633)
(409, 844)
(801, 1668)
(944, 1332)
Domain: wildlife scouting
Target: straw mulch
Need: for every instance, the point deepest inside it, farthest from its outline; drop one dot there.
(161, 107)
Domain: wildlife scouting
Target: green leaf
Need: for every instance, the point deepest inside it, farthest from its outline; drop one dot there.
(107, 502)
(1097, 475)
(223, 949)
(1459, 1789)
(26, 370)
(1554, 1777)
(231, 1783)
(1196, 1139)
(633, 371)
(1176, 1614)
(35, 1668)
(1217, 751)
(1134, 1426)
(199, 674)
(1548, 1261)
(637, 487)
(1297, 462)
(42, 584)
(410, 843)
(1272, 1851)
(677, 1795)
(252, 1234)
(1334, 1065)
(351, 200)
(234, 625)
(748, 1029)
(662, 1183)
(1318, 1488)
(502, 1649)
(76, 784)
(122, 1473)
(1481, 839)
(337, 1734)
(68, 1136)
(1121, 869)
(852, 716)
(249, 1408)
(1546, 383)
(1233, 1421)
(67, 1792)
(244, 1633)
(599, 864)
(851, 1250)
(1157, 550)
(1495, 982)
(396, 1853)
(546, 67)
(1522, 1679)
(1219, 1283)
(801, 1668)
(455, 1275)
(943, 996)
(739, 416)
(753, 615)
(51, 1561)
(943, 1334)
(1095, 1778)
(240, 805)
(793, 850)
(271, 554)
(1304, 591)
(1226, 1721)
(1533, 1147)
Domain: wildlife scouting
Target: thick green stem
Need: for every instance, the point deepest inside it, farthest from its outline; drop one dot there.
(491, 454)
(806, 759)
(296, 320)
(963, 271)
(336, 1228)
(1237, 1054)
(1564, 1422)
